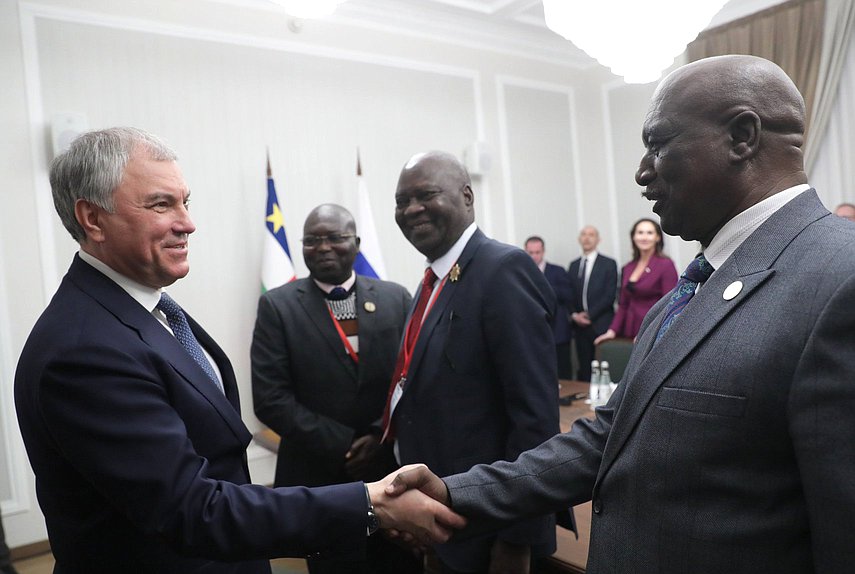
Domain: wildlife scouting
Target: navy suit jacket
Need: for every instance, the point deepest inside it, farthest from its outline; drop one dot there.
(602, 289)
(140, 461)
(559, 280)
(728, 445)
(482, 385)
(308, 389)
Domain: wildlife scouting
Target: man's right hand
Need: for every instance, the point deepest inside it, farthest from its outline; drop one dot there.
(415, 504)
(418, 477)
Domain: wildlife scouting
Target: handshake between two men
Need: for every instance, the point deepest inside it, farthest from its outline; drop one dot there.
(411, 505)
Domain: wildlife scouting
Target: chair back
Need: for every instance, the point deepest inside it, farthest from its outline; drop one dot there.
(616, 352)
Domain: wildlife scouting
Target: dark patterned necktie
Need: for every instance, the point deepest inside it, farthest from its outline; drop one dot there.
(181, 329)
(698, 271)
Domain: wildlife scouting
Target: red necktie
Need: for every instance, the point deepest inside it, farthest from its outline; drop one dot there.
(406, 350)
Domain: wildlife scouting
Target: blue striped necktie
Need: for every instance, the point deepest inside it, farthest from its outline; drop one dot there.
(698, 271)
(181, 329)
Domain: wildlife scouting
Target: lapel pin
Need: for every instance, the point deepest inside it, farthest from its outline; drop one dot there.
(370, 306)
(732, 290)
(454, 274)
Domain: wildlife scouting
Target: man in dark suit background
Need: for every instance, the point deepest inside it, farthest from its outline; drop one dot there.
(322, 357)
(594, 280)
(129, 410)
(479, 383)
(727, 447)
(560, 283)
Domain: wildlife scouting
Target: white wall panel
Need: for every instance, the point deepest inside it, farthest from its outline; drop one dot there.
(541, 171)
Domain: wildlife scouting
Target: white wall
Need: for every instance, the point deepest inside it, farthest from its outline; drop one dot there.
(220, 83)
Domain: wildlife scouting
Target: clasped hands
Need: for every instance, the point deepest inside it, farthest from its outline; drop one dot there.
(412, 506)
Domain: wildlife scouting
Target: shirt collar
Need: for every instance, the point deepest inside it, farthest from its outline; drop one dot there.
(327, 287)
(542, 265)
(737, 230)
(146, 296)
(442, 265)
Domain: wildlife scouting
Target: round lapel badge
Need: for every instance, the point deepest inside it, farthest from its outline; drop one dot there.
(732, 290)
(370, 306)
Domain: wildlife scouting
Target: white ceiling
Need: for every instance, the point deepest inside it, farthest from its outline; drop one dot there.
(505, 26)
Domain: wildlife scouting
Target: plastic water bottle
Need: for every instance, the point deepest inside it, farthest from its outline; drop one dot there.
(605, 385)
(594, 392)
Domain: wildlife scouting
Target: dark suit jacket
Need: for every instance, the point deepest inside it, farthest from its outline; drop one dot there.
(140, 461)
(602, 289)
(307, 388)
(560, 283)
(728, 445)
(482, 384)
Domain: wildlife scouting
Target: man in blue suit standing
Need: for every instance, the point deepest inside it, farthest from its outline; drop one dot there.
(129, 410)
(475, 380)
(560, 283)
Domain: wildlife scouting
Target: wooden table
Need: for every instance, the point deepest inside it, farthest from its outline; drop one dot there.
(572, 554)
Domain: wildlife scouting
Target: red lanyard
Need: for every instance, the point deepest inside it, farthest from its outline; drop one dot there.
(343, 337)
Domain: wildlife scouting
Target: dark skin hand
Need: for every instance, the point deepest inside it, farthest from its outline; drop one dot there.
(359, 459)
(505, 557)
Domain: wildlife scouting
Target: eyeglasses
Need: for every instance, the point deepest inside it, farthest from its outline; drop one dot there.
(334, 239)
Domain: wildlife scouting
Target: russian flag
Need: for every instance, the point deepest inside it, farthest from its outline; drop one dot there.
(369, 260)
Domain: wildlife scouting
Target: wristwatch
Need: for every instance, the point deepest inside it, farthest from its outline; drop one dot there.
(373, 520)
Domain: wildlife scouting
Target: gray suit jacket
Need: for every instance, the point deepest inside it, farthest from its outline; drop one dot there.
(305, 386)
(729, 446)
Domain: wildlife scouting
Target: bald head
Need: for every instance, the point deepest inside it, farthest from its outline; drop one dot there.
(723, 86)
(589, 238)
(846, 211)
(722, 134)
(331, 212)
(434, 203)
(330, 243)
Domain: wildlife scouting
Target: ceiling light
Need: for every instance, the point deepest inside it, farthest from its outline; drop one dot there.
(634, 39)
(309, 8)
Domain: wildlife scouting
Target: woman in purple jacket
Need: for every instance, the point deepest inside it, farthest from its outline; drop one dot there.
(644, 280)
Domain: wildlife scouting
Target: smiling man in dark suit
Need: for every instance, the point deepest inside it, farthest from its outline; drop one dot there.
(322, 357)
(728, 445)
(477, 383)
(129, 410)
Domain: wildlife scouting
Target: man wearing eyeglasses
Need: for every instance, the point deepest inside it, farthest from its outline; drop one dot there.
(322, 356)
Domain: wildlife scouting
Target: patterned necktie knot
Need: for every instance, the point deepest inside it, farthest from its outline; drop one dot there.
(698, 271)
(181, 329)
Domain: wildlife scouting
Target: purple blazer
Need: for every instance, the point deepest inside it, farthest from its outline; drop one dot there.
(637, 298)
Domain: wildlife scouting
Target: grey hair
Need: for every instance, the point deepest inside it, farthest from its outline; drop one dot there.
(92, 168)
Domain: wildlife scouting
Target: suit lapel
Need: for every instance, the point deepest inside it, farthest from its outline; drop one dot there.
(365, 293)
(751, 263)
(442, 301)
(314, 304)
(134, 316)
